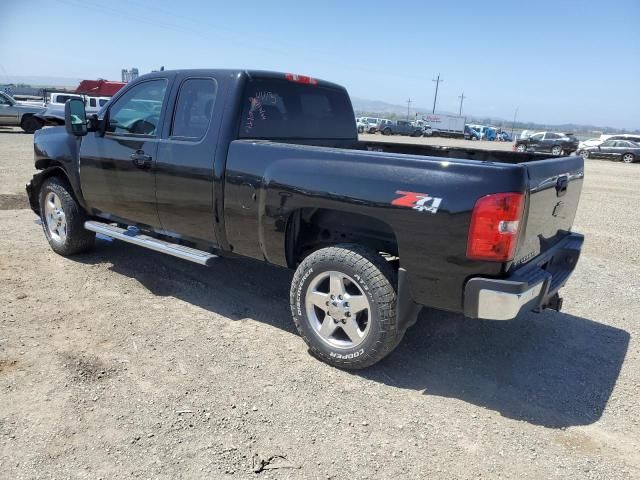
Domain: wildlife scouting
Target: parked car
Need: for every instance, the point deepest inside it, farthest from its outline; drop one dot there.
(470, 133)
(503, 136)
(205, 163)
(22, 114)
(361, 125)
(427, 131)
(372, 124)
(548, 142)
(382, 123)
(485, 132)
(624, 150)
(400, 127)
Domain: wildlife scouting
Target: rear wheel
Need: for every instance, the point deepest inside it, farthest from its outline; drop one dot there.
(556, 150)
(343, 302)
(63, 219)
(585, 154)
(386, 131)
(628, 158)
(30, 124)
(521, 148)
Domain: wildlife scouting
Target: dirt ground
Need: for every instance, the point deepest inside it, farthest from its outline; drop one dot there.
(126, 363)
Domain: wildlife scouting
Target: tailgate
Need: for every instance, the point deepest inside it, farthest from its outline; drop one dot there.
(554, 192)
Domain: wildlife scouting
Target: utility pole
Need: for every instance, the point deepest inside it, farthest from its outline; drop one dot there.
(408, 107)
(435, 97)
(514, 121)
(461, 97)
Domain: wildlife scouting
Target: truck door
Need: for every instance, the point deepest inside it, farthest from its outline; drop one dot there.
(117, 170)
(185, 167)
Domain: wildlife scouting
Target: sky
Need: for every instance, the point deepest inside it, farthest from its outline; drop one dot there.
(555, 61)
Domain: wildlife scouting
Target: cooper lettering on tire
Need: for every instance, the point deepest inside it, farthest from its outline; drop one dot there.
(343, 302)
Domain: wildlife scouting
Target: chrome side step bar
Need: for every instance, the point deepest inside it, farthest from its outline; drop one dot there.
(137, 238)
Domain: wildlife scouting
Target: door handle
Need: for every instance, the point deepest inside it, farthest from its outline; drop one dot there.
(141, 159)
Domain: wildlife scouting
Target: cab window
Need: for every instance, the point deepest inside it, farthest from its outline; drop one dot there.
(194, 108)
(137, 112)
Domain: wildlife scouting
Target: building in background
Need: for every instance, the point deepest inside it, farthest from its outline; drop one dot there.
(129, 75)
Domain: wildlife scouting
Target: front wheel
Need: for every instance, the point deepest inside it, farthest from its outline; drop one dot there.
(521, 148)
(63, 219)
(343, 302)
(585, 154)
(557, 151)
(628, 158)
(386, 131)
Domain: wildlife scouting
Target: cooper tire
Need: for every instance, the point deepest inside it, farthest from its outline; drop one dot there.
(367, 278)
(63, 219)
(30, 124)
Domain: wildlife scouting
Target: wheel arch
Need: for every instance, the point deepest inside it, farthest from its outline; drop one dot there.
(49, 168)
(309, 229)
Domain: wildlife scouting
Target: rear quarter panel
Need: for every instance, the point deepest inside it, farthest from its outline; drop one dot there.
(266, 182)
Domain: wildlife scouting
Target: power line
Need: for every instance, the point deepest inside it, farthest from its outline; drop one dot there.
(435, 96)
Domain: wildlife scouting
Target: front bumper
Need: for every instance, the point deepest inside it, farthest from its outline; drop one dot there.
(532, 287)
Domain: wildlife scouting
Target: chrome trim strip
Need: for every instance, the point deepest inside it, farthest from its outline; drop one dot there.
(180, 251)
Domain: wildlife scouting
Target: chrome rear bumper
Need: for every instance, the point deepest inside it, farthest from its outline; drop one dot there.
(533, 287)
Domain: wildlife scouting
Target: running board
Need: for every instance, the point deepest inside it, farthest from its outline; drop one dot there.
(134, 236)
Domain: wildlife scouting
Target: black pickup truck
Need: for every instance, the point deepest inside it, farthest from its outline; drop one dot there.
(203, 163)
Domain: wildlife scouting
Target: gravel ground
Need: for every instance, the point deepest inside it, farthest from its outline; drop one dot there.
(125, 363)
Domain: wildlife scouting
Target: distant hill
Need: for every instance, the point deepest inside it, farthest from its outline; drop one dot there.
(40, 81)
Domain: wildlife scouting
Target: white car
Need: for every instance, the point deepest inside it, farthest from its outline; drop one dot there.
(361, 125)
(592, 142)
(372, 124)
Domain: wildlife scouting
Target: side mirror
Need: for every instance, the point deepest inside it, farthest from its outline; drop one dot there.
(75, 117)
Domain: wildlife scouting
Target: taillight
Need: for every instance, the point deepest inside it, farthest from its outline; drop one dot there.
(292, 77)
(495, 224)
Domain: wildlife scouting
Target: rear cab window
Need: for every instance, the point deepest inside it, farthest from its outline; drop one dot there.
(281, 109)
(194, 108)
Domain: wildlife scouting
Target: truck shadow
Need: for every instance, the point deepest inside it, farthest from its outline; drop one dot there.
(551, 369)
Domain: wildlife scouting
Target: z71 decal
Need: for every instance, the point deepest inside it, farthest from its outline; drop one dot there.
(422, 202)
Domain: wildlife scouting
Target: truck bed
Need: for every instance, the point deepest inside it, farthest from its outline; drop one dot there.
(453, 152)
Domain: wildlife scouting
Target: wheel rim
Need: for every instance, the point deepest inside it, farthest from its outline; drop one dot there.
(628, 158)
(585, 155)
(55, 218)
(556, 150)
(338, 310)
(521, 148)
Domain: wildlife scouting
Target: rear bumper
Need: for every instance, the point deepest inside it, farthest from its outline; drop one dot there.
(532, 287)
